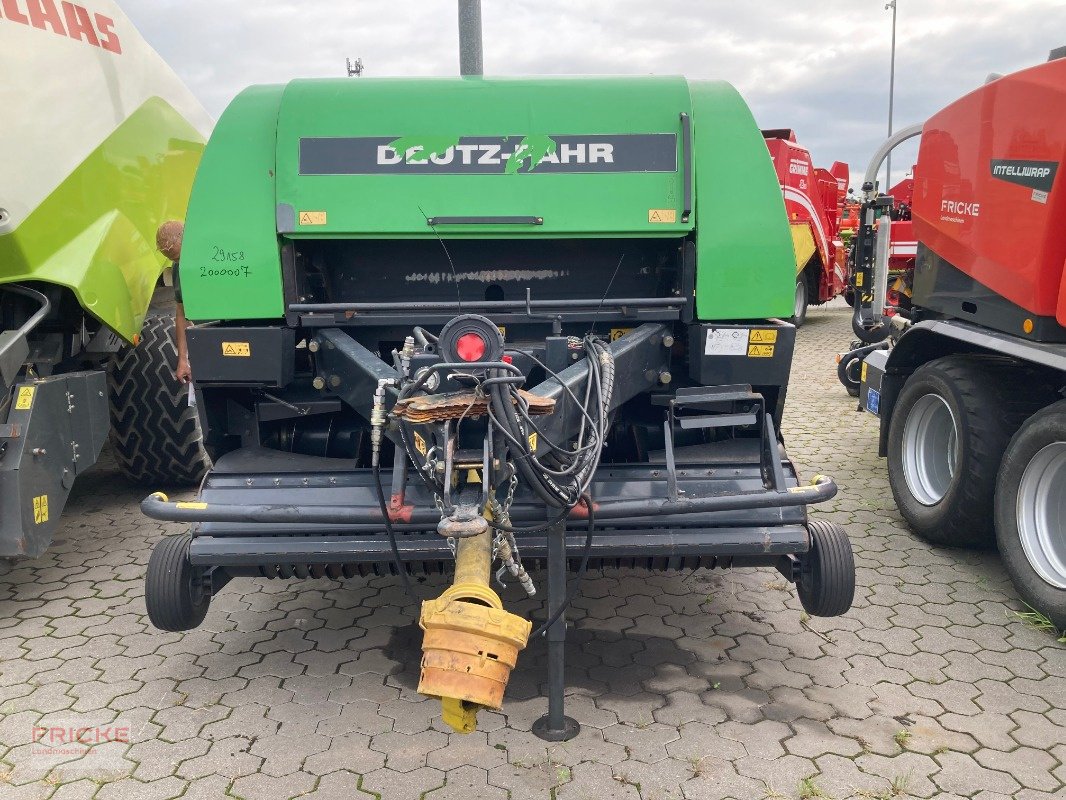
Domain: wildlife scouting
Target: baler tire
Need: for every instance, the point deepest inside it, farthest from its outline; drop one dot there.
(849, 372)
(826, 587)
(1043, 434)
(174, 601)
(986, 407)
(155, 434)
(802, 301)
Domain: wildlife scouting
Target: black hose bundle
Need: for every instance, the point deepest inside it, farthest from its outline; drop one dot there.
(562, 475)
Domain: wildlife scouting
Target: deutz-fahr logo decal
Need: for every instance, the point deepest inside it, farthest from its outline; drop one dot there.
(1039, 175)
(488, 155)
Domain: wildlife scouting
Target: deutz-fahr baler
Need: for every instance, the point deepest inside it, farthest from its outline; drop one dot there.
(532, 321)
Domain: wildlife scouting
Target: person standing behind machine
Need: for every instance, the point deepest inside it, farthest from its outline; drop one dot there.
(168, 240)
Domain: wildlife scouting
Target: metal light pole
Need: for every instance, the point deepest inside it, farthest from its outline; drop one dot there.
(891, 91)
(471, 61)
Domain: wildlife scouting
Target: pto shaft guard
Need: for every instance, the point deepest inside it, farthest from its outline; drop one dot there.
(471, 644)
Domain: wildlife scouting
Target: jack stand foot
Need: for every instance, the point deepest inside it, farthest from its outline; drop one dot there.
(555, 726)
(542, 729)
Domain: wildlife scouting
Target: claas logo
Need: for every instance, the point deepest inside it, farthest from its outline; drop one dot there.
(64, 19)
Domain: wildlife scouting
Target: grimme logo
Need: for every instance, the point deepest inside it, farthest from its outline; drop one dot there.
(488, 155)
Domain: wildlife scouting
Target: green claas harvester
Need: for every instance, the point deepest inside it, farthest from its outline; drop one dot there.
(495, 327)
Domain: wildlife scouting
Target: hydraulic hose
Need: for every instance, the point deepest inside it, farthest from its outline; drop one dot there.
(397, 560)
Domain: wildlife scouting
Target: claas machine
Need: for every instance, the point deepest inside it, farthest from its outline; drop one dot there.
(970, 394)
(479, 326)
(81, 282)
(814, 202)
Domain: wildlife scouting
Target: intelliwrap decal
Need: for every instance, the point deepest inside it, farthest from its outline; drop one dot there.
(1039, 175)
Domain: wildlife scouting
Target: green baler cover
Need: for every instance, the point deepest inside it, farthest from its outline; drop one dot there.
(500, 158)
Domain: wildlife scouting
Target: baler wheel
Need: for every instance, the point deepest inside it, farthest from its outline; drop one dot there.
(173, 588)
(826, 586)
(1031, 512)
(802, 301)
(949, 429)
(155, 434)
(849, 373)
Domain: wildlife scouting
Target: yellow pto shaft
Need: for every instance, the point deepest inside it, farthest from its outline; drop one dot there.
(471, 644)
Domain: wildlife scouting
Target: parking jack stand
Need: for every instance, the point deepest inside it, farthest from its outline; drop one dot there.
(555, 726)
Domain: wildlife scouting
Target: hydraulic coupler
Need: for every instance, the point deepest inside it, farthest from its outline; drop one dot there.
(471, 644)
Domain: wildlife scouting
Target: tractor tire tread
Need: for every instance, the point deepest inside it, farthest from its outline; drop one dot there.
(155, 434)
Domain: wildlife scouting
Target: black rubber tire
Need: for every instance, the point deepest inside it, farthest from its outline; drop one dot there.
(826, 587)
(1043, 428)
(983, 396)
(804, 304)
(155, 435)
(848, 373)
(174, 602)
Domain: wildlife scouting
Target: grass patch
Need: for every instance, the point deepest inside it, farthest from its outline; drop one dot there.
(808, 789)
(1039, 621)
(902, 737)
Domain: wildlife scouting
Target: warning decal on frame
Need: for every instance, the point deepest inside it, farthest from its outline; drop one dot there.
(762, 336)
(239, 349)
(40, 509)
(25, 398)
(760, 351)
(420, 444)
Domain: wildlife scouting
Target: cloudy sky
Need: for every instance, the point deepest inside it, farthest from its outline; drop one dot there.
(818, 67)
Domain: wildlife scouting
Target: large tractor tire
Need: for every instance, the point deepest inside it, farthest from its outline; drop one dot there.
(1031, 512)
(155, 435)
(949, 429)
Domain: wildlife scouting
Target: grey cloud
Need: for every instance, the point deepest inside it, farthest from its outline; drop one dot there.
(821, 68)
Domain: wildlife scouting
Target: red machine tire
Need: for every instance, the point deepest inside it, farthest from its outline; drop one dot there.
(968, 404)
(1030, 514)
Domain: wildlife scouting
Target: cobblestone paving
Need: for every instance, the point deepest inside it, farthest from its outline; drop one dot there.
(696, 686)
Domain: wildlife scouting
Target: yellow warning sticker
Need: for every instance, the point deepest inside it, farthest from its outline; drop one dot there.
(762, 336)
(420, 444)
(40, 509)
(239, 349)
(25, 398)
(858, 279)
(760, 351)
(194, 506)
(533, 442)
(618, 333)
(666, 216)
(312, 217)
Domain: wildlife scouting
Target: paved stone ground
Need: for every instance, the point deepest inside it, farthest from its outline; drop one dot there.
(696, 686)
